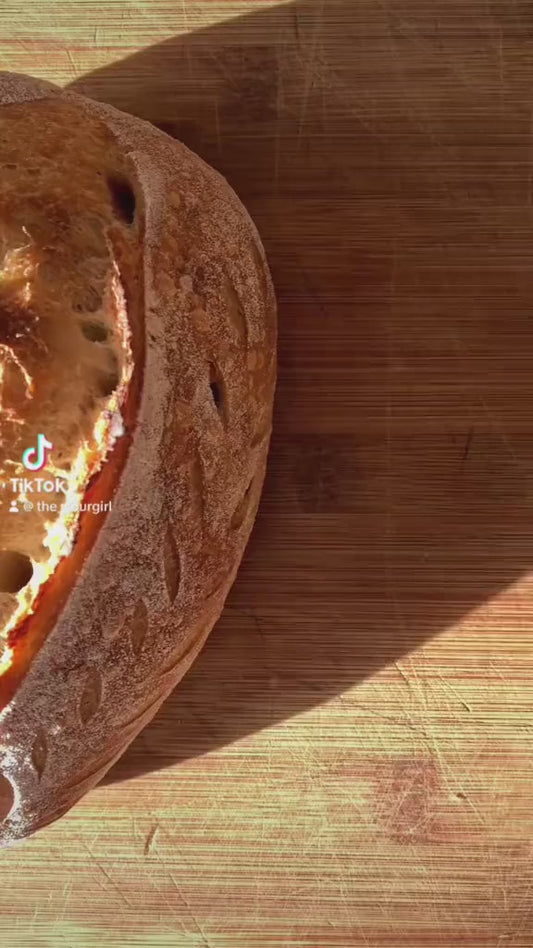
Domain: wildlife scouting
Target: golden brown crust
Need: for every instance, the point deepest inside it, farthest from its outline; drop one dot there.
(144, 597)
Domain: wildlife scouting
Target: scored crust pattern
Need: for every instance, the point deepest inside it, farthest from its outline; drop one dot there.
(91, 695)
(171, 564)
(138, 627)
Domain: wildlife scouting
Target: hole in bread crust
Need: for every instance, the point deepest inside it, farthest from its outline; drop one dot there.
(94, 331)
(123, 197)
(16, 570)
(215, 392)
(91, 695)
(139, 626)
(216, 384)
(7, 797)
(242, 508)
(39, 752)
(171, 563)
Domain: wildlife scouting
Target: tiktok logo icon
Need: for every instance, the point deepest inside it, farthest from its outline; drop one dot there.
(34, 459)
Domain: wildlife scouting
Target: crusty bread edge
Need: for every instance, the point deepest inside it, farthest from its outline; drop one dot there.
(47, 753)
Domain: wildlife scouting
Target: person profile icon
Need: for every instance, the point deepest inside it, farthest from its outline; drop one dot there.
(14, 507)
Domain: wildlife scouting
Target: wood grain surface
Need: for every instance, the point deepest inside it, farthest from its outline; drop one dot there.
(349, 763)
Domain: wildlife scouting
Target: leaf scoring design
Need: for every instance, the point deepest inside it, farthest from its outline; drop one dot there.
(91, 696)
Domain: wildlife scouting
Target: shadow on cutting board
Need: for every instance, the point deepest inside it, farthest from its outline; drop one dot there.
(388, 170)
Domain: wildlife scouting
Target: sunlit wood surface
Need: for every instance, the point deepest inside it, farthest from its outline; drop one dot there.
(349, 764)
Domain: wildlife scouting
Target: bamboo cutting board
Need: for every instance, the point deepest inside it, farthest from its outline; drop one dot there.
(349, 763)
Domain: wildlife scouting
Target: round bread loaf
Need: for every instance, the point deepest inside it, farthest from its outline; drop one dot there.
(137, 375)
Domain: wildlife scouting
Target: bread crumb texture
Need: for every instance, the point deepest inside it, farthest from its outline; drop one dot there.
(61, 352)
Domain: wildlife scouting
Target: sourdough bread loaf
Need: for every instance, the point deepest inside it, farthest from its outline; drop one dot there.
(137, 335)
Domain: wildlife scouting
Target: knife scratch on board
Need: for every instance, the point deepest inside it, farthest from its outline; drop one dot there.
(200, 931)
(151, 839)
(72, 63)
(463, 354)
(310, 72)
